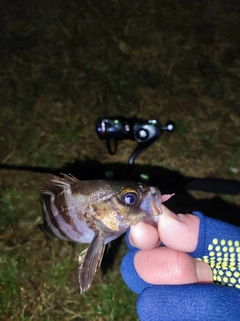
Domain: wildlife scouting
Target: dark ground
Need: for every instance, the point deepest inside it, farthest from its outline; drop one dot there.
(64, 65)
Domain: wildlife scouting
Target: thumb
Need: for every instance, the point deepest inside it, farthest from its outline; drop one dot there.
(178, 231)
(163, 265)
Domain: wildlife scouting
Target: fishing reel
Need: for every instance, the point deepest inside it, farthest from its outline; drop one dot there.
(145, 132)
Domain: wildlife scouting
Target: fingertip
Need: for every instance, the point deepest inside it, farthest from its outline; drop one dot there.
(144, 236)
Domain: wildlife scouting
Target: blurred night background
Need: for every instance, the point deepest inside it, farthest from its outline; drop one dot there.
(67, 64)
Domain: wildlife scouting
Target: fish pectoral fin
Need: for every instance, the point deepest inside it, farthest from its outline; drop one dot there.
(90, 261)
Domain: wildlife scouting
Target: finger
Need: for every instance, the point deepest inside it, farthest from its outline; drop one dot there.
(144, 236)
(131, 276)
(179, 232)
(163, 265)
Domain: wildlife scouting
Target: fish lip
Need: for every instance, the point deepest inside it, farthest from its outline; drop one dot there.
(152, 202)
(156, 195)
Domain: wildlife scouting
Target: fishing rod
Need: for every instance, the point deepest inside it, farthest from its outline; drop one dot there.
(145, 133)
(152, 175)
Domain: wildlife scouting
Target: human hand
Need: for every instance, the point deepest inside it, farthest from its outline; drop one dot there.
(169, 264)
(147, 269)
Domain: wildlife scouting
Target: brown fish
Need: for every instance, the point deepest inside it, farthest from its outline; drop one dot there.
(95, 212)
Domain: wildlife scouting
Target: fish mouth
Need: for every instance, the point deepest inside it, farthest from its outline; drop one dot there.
(152, 202)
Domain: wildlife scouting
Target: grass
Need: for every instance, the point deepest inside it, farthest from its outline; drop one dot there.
(9, 285)
(64, 66)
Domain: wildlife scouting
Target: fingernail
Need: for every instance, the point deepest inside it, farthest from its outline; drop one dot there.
(203, 271)
(170, 214)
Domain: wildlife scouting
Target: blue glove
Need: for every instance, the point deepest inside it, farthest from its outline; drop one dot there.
(219, 246)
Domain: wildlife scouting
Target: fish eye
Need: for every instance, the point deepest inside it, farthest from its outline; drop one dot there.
(129, 197)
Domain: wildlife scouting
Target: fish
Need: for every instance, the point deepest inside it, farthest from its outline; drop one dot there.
(95, 212)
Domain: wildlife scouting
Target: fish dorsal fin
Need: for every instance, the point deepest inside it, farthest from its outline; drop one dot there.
(70, 178)
(56, 183)
(89, 263)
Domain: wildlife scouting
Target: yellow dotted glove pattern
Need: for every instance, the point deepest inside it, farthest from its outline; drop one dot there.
(224, 260)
